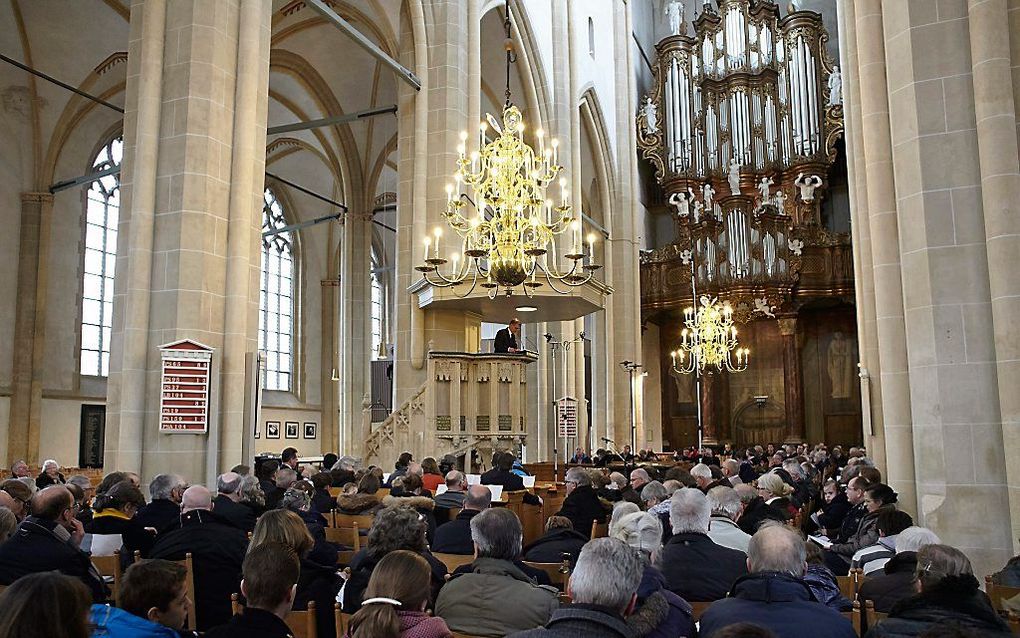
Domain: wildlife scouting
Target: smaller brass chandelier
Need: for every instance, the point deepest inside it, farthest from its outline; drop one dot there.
(507, 227)
(709, 339)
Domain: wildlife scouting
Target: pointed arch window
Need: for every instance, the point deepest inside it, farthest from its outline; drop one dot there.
(102, 212)
(276, 297)
(378, 308)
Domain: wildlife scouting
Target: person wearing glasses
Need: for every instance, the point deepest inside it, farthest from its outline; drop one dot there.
(17, 497)
(50, 540)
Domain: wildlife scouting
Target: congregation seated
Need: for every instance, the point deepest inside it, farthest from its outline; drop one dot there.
(252, 495)
(455, 537)
(731, 471)
(396, 601)
(453, 497)
(50, 540)
(317, 582)
(655, 498)
(394, 528)
(559, 541)
(217, 549)
(774, 594)
(878, 498)
(45, 605)
(115, 525)
(342, 472)
(475, 603)
(948, 594)
(705, 478)
(152, 602)
(164, 506)
(603, 588)
(776, 493)
(658, 612)
(834, 509)
(266, 474)
(889, 524)
(49, 475)
(227, 503)
(285, 479)
(695, 567)
(82, 502)
(431, 478)
(639, 477)
(896, 580)
(582, 505)
(726, 510)
(269, 579)
(366, 501)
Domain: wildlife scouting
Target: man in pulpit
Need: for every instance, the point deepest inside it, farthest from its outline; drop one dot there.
(506, 339)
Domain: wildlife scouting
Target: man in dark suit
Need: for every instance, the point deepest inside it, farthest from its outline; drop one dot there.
(582, 505)
(227, 503)
(506, 339)
(164, 509)
(49, 540)
(455, 536)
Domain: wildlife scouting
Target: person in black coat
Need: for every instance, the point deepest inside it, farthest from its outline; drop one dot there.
(50, 475)
(270, 573)
(559, 539)
(695, 567)
(217, 550)
(500, 474)
(49, 540)
(322, 501)
(454, 537)
(228, 505)
(756, 511)
(115, 516)
(949, 596)
(830, 516)
(164, 508)
(506, 338)
(582, 505)
(895, 583)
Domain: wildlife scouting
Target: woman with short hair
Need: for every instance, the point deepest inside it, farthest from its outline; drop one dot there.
(50, 475)
(948, 595)
(114, 526)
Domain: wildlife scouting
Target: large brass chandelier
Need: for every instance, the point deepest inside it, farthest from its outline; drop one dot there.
(507, 226)
(709, 338)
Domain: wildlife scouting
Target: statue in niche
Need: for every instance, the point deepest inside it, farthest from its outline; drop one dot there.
(707, 192)
(675, 15)
(734, 176)
(835, 87)
(651, 113)
(840, 366)
(807, 186)
(698, 209)
(763, 189)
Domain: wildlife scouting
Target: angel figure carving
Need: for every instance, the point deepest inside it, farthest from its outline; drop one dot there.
(807, 186)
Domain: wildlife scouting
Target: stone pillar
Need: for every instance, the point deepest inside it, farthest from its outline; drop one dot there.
(709, 413)
(884, 231)
(793, 381)
(29, 328)
(999, 160)
(188, 258)
(864, 279)
(355, 331)
(329, 319)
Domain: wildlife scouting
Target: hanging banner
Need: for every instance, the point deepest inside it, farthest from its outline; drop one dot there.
(184, 387)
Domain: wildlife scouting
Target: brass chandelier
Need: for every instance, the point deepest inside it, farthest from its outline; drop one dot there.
(709, 338)
(507, 225)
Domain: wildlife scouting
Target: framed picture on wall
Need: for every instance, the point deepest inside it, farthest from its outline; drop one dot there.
(257, 433)
(272, 429)
(290, 430)
(310, 429)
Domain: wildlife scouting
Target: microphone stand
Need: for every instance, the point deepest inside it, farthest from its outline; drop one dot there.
(554, 344)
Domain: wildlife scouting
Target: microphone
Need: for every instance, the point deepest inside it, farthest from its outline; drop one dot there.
(548, 337)
(604, 439)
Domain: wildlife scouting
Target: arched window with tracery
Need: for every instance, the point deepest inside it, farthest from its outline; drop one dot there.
(102, 212)
(276, 297)
(378, 309)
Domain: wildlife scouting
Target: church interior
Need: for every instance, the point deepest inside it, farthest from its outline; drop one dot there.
(236, 226)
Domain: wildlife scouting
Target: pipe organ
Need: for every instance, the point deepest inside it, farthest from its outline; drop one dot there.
(739, 111)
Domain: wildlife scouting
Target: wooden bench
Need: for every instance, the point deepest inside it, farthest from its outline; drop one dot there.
(558, 573)
(110, 566)
(453, 561)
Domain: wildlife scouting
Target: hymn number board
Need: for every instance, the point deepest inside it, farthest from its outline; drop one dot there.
(184, 387)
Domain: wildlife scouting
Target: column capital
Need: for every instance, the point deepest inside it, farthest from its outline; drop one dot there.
(787, 326)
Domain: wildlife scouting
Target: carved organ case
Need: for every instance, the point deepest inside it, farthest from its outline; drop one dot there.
(741, 124)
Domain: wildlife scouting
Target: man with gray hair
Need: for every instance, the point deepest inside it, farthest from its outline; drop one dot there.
(227, 503)
(286, 477)
(582, 505)
(702, 475)
(495, 598)
(695, 567)
(896, 579)
(774, 595)
(456, 483)
(657, 501)
(726, 509)
(603, 588)
(164, 508)
(731, 472)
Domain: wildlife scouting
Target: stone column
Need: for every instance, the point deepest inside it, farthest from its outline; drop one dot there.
(709, 413)
(355, 331)
(189, 257)
(329, 358)
(999, 160)
(29, 328)
(884, 231)
(793, 381)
